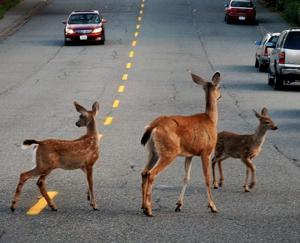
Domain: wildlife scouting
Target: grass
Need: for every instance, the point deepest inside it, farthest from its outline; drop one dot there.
(6, 5)
(289, 9)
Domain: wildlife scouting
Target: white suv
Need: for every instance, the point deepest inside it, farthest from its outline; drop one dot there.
(285, 59)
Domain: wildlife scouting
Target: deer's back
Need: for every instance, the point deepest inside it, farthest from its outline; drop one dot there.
(68, 154)
(188, 135)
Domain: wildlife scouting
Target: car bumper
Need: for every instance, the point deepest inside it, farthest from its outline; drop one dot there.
(241, 17)
(290, 73)
(84, 37)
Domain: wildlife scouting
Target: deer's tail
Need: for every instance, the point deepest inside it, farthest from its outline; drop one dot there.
(28, 142)
(146, 135)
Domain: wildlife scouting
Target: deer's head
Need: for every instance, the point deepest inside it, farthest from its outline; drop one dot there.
(213, 87)
(86, 117)
(265, 120)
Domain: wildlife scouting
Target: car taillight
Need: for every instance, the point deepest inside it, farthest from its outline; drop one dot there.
(282, 57)
(266, 51)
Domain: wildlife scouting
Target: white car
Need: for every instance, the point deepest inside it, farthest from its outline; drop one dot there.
(264, 49)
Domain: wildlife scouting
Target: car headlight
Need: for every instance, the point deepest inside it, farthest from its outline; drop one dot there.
(70, 31)
(97, 30)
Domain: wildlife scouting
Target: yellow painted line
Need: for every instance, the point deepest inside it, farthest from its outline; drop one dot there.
(141, 12)
(121, 88)
(133, 43)
(125, 77)
(131, 54)
(140, 18)
(108, 120)
(142, 5)
(136, 34)
(116, 104)
(138, 26)
(128, 65)
(40, 205)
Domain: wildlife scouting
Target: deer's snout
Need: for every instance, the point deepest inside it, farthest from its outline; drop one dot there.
(78, 124)
(275, 128)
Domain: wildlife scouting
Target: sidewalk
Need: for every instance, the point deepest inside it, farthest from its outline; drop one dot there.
(19, 15)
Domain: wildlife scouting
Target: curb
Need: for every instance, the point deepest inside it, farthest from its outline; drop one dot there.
(12, 28)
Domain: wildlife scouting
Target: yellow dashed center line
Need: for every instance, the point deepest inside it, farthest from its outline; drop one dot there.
(125, 77)
(133, 43)
(121, 89)
(131, 54)
(138, 26)
(108, 120)
(116, 104)
(136, 34)
(142, 5)
(140, 18)
(40, 205)
(141, 12)
(128, 65)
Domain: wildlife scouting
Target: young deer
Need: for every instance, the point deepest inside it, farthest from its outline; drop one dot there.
(51, 154)
(170, 136)
(244, 147)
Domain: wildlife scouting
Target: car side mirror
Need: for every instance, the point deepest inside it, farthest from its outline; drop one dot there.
(64, 22)
(104, 21)
(226, 5)
(257, 43)
(270, 45)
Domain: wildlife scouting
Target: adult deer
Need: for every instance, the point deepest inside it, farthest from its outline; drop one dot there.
(51, 154)
(170, 136)
(245, 147)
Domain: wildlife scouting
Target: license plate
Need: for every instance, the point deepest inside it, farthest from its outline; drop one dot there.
(83, 37)
(242, 18)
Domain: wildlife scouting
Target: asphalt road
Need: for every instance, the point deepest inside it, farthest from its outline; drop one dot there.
(40, 78)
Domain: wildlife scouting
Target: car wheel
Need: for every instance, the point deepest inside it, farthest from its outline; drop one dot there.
(261, 67)
(227, 19)
(270, 78)
(278, 82)
(256, 63)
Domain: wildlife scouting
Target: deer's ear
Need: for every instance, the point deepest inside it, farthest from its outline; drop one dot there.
(197, 79)
(96, 108)
(264, 111)
(216, 78)
(80, 108)
(257, 114)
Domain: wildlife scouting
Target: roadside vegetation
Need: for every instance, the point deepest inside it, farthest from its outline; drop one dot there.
(289, 9)
(6, 5)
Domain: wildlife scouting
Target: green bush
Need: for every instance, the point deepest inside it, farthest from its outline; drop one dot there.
(6, 5)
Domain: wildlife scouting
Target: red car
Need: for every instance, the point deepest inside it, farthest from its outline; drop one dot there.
(240, 10)
(85, 26)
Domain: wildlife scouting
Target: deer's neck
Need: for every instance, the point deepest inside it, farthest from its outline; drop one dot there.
(92, 128)
(211, 107)
(260, 134)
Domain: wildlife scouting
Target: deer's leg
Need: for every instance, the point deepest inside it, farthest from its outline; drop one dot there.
(41, 184)
(187, 177)
(88, 191)
(23, 178)
(246, 187)
(89, 174)
(221, 181)
(152, 159)
(218, 160)
(161, 164)
(252, 168)
(206, 173)
(213, 166)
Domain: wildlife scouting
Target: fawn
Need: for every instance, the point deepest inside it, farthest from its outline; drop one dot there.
(170, 136)
(51, 154)
(245, 147)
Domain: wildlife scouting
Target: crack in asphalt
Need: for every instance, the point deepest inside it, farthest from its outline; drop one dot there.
(295, 161)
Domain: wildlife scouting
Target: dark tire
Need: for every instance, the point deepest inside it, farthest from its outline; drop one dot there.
(278, 82)
(227, 20)
(270, 79)
(261, 68)
(256, 63)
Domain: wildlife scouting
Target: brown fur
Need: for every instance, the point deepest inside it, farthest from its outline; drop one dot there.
(170, 136)
(80, 153)
(245, 147)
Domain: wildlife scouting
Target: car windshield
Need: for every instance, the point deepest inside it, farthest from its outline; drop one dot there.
(274, 39)
(241, 4)
(293, 41)
(84, 19)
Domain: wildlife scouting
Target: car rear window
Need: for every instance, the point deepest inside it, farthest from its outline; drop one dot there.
(292, 41)
(241, 4)
(274, 39)
(84, 19)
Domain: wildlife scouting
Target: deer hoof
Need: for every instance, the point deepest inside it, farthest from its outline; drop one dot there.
(178, 208)
(246, 189)
(147, 213)
(54, 209)
(252, 184)
(12, 209)
(213, 209)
